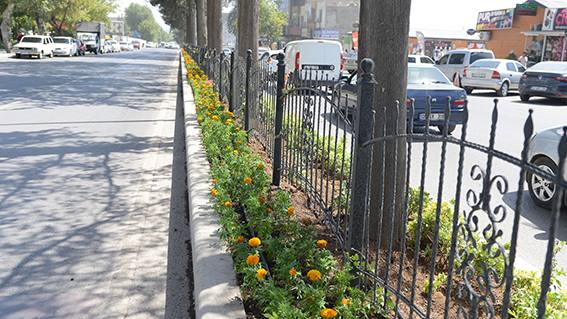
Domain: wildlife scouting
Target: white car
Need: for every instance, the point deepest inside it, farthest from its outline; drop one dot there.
(35, 45)
(115, 45)
(270, 58)
(500, 75)
(65, 46)
(412, 58)
(126, 46)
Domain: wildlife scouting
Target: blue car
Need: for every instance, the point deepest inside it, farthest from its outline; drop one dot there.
(423, 80)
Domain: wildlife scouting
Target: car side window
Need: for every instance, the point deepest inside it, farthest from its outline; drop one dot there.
(510, 66)
(457, 58)
(520, 67)
(444, 59)
(426, 60)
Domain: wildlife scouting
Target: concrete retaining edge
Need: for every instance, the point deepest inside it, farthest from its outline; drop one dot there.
(217, 294)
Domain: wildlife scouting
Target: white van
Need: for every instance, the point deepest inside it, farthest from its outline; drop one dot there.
(454, 62)
(318, 61)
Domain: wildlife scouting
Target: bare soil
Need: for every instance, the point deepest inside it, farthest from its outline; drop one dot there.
(307, 214)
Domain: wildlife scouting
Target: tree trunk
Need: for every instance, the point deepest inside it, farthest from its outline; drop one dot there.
(201, 24)
(190, 36)
(383, 37)
(40, 23)
(215, 30)
(248, 28)
(5, 27)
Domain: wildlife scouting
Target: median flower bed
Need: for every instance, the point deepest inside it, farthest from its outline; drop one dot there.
(286, 271)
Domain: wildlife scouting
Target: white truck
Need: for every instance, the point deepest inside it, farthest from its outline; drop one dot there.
(93, 34)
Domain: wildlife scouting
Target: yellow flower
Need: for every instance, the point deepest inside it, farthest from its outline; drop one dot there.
(328, 313)
(346, 302)
(214, 191)
(199, 119)
(221, 164)
(200, 103)
(261, 199)
(314, 275)
(228, 147)
(255, 242)
(197, 108)
(248, 180)
(252, 259)
(321, 243)
(261, 273)
(240, 239)
(238, 128)
(235, 152)
(215, 117)
(228, 121)
(293, 272)
(209, 113)
(225, 112)
(290, 210)
(239, 142)
(228, 204)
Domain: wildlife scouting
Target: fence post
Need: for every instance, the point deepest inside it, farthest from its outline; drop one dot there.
(276, 174)
(362, 162)
(231, 90)
(247, 108)
(220, 76)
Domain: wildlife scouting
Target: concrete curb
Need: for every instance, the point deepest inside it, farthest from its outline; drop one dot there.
(217, 294)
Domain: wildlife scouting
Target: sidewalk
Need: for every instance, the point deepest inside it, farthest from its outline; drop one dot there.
(216, 291)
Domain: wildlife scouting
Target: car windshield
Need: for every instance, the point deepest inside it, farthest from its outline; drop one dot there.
(88, 37)
(426, 76)
(485, 64)
(31, 40)
(481, 55)
(60, 40)
(550, 66)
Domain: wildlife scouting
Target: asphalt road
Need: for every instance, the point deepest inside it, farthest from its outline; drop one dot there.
(86, 154)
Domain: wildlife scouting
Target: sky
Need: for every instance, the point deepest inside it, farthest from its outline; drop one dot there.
(430, 14)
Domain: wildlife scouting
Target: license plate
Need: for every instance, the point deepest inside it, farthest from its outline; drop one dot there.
(311, 67)
(432, 117)
(478, 75)
(539, 88)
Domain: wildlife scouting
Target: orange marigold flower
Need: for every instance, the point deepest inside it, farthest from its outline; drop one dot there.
(248, 180)
(215, 117)
(228, 204)
(209, 113)
(346, 302)
(225, 112)
(268, 210)
(321, 243)
(253, 259)
(228, 121)
(290, 210)
(228, 147)
(260, 165)
(240, 239)
(260, 273)
(208, 125)
(230, 114)
(221, 164)
(314, 275)
(239, 142)
(199, 119)
(293, 272)
(200, 103)
(261, 199)
(235, 152)
(197, 108)
(255, 242)
(214, 191)
(238, 128)
(214, 180)
(328, 313)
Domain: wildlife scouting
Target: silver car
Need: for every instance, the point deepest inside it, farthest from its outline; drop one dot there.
(495, 74)
(543, 151)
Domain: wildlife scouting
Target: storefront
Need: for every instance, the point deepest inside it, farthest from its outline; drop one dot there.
(549, 43)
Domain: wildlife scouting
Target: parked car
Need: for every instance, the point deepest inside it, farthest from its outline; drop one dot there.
(108, 48)
(261, 51)
(151, 45)
(271, 59)
(350, 62)
(454, 62)
(115, 45)
(423, 80)
(136, 44)
(35, 45)
(81, 47)
(496, 74)
(126, 46)
(548, 79)
(543, 153)
(420, 59)
(65, 46)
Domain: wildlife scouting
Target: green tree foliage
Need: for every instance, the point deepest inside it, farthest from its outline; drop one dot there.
(149, 30)
(62, 15)
(271, 20)
(135, 14)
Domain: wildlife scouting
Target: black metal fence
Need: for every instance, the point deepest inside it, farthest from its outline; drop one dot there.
(316, 146)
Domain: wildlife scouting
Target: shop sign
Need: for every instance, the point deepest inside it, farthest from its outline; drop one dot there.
(294, 31)
(526, 9)
(555, 19)
(327, 34)
(497, 19)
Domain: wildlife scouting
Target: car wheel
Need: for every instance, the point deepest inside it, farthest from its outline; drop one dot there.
(40, 55)
(503, 91)
(541, 190)
(18, 56)
(524, 97)
(50, 54)
(468, 90)
(450, 128)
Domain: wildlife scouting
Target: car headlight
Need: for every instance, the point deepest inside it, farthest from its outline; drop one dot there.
(35, 49)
